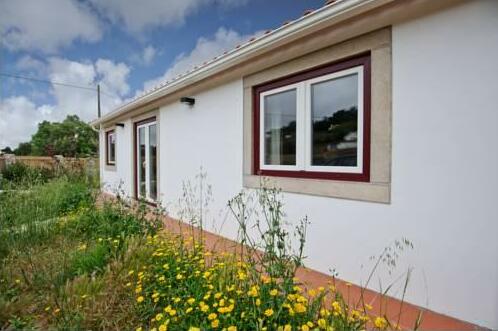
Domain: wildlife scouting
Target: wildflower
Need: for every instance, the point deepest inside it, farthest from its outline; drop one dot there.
(139, 329)
(253, 292)
(18, 281)
(215, 323)
(380, 323)
(190, 301)
(163, 327)
(57, 311)
(322, 324)
(312, 293)
(232, 328)
(299, 308)
(159, 317)
(269, 312)
(274, 292)
(369, 307)
(140, 299)
(287, 327)
(193, 328)
(258, 302)
(217, 295)
(189, 309)
(172, 312)
(212, 316)
(305, 327)
(179, 277)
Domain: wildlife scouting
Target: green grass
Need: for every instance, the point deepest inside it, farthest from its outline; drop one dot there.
(63, 261)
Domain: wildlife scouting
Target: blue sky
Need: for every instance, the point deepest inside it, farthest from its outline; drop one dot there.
(124, 45)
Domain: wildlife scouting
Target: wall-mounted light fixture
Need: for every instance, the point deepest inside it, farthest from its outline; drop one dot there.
(187, 101)
(120, 125)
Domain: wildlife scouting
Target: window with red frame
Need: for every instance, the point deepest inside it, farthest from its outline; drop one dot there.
(315, 124)
(111, 147)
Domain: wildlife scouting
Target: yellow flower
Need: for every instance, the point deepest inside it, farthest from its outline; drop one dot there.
(380, 323)
(159, 317)
(369, 307)
(322, 324)
(299, 308)
(258, 302)
(312, 293)
(190, 301)
(172, 312)
(217, 295)
(138, 329)
(232, 328)
(215, 323)
(287, 327)
(212, 316)
(253, 292)
(163, 327)
(304, 327)
(269, 312)
(140, 299)
(189, 309)
(179, 277)
(274, 292)
(193, 328)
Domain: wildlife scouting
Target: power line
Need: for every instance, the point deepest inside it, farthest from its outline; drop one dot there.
(48, 81)
(94, 89)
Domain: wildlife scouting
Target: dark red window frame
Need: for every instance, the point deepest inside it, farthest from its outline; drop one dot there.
(107, 161)
(358, 60)
(135, 156)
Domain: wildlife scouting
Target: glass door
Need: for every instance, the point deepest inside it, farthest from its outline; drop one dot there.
(146, 161)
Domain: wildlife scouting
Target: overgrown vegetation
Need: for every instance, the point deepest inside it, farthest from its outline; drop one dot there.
(70, 261)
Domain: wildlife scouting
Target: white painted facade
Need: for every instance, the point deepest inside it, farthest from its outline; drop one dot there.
(444, 193)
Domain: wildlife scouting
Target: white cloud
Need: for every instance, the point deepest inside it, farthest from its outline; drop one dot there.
(19, 119)
(19, 116)
(148, 55)
(46, 25)
(205, 49)
(28, 63)
(137, 16)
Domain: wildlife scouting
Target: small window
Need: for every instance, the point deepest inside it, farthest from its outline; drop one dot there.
(111, 147)
(315, 124)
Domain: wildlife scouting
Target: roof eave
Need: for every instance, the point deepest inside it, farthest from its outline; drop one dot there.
(319, 19)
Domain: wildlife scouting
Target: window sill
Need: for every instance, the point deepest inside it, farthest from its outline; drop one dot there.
(110, 167)
(371, 192)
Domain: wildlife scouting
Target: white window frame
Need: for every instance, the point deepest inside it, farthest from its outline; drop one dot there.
(299, 128)
(108, 143)
(304, 124)
(146, 127)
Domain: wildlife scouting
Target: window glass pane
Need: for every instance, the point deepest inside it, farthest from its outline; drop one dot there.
(153, 161)
(334, 111)
(280, 128)
(112, 147)
(141, 161)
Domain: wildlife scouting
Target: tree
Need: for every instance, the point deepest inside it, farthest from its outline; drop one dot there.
(6, 150)
(72, 137)
(23, 149)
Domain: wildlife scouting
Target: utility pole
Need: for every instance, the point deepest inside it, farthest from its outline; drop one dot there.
(98, 100)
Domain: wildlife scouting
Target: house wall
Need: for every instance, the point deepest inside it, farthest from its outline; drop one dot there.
(444, 184)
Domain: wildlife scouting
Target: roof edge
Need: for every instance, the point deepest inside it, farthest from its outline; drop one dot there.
(289, 31)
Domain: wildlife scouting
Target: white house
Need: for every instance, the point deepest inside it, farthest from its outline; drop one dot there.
(377, 118)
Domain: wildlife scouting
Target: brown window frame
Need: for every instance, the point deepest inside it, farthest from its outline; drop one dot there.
(107, 151)
(336, 66)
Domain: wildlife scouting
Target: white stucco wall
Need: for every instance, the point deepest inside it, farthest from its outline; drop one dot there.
(120, 179)
(444, 167)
